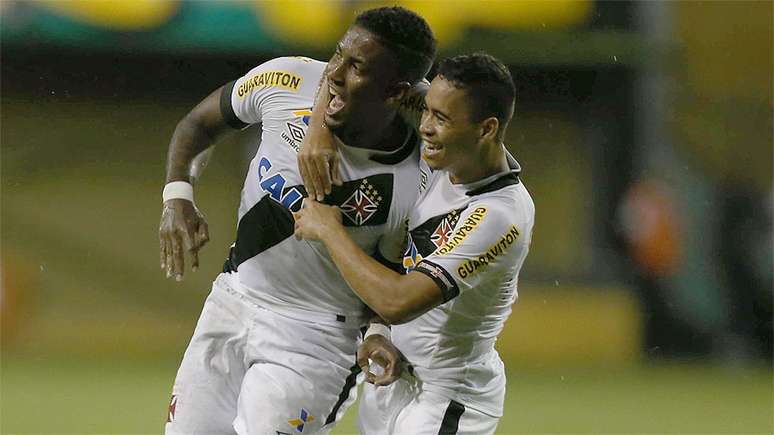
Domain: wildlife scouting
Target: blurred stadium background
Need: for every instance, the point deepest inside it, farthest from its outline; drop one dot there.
(644, 129)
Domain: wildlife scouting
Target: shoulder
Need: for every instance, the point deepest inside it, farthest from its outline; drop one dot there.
(294, 74)
(504, 208)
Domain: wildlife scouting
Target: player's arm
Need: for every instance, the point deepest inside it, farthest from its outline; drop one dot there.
(318, 160)
(394, 297)
(183, 227)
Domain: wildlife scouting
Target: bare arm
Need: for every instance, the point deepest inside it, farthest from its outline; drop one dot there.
(194, 134)
(318, 160)
(183, 227)
(394, 297)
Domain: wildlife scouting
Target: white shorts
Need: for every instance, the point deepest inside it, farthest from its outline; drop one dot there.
(404, 408)
(249, 370)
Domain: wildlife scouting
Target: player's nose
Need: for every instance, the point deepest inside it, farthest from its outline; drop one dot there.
(336, 74)
(426, 125)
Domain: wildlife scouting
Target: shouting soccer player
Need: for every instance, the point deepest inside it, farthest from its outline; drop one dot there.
(274, 349)
(468, 237)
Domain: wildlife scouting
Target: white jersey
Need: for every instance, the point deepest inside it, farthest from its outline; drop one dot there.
(472, 241)
(379, 191)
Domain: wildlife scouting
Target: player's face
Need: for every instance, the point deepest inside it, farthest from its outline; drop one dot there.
(449, 132)
(359, 75)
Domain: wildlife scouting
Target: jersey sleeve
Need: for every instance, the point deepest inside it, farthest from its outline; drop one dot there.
(488, 239)
(413, 104)
(245, 101)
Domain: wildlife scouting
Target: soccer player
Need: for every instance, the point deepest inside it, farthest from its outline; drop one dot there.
(274, 349)
(468, 237)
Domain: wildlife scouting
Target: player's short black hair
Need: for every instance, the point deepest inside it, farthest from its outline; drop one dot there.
(406, 34)
(488, 82)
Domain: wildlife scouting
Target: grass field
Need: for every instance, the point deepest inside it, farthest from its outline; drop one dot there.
(43, 395)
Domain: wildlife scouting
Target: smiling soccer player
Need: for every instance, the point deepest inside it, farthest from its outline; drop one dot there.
(468, 237)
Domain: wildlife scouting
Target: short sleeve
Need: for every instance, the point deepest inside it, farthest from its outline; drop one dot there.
(245, 101)
(487, 240)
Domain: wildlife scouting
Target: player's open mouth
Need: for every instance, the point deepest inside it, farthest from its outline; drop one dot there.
(431, 149)
(336, 103)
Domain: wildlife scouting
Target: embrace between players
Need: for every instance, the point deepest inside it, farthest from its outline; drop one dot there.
(410, 218)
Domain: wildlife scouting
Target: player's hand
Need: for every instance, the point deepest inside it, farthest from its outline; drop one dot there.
(380, 350)
(182, 229)
(314, 221)
(318, 162)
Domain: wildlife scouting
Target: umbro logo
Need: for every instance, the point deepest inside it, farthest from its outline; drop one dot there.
(296, 132)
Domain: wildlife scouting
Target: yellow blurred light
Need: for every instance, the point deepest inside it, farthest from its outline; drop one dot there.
(316, 22)
(320, 22)
(117, 15)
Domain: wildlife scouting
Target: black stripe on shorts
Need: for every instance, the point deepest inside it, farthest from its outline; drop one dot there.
(344, 395)
(451, 419)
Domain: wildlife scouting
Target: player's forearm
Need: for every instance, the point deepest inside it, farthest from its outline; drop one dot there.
(374, 283)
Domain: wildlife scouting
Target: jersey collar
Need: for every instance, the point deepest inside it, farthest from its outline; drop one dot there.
(497, 181)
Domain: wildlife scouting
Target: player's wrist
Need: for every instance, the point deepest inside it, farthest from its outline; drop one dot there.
(177, 190)
(378, 329)
(333, 234)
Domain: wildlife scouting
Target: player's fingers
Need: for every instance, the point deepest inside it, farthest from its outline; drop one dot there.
(323, 169)
(335, 171)
(306, 177)
(178, 258)
(188, 243)
(162, 253)
(194, 260)
(187, 235)
(315, 179)
(166, 254)
(362, 357)
(202, 235)
(390, 367)
(169, 261)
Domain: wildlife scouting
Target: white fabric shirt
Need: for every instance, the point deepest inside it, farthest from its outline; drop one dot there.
(472, 241)
(379, 191)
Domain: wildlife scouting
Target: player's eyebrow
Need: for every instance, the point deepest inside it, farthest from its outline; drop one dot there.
(441, 114)
(358, 59)
(436, 112)
(353, 57)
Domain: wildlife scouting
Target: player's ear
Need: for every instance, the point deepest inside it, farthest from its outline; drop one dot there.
(397, 92)
(489, 128)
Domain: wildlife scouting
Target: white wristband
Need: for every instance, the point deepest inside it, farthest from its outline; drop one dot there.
(178, 190)
(378, 329)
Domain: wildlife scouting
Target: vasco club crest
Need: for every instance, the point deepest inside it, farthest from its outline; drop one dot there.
(362, 204)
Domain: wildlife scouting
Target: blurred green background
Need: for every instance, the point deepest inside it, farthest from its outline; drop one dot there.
(644, 130)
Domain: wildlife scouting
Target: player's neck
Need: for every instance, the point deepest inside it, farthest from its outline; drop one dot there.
(491, 161)
(388, 136)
